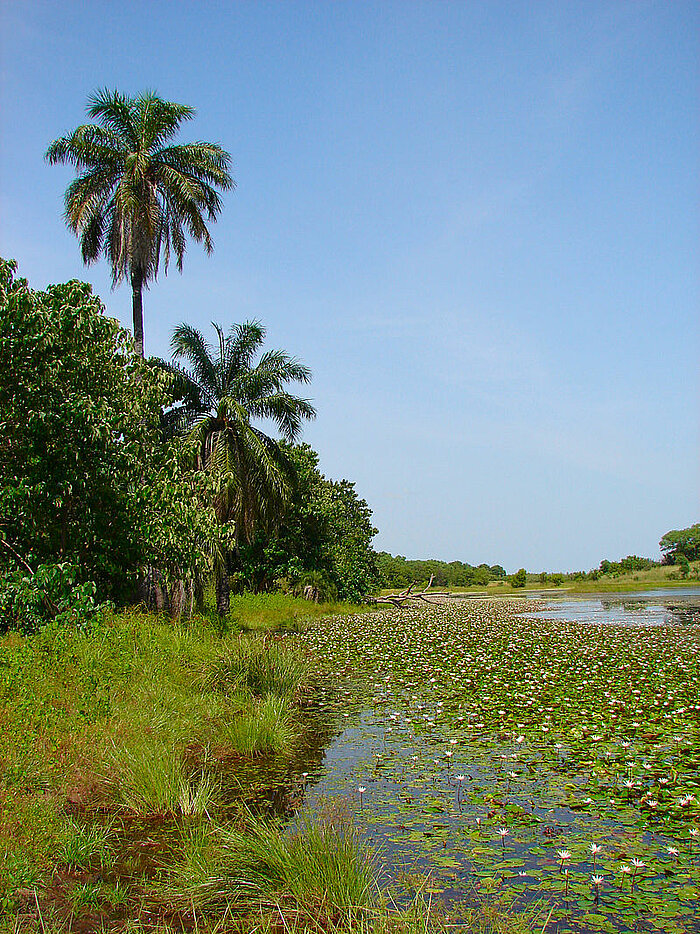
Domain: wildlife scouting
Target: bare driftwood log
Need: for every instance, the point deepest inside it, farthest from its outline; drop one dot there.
(405, 596)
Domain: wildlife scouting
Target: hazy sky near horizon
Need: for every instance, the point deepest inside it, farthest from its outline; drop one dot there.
(476, 222)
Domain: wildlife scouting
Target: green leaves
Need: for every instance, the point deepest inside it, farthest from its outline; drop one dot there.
(222, 391)
(86, 483)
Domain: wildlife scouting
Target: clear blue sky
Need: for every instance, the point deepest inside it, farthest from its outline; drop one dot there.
(477, 222)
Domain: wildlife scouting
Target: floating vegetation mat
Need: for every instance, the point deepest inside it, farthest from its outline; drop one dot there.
(491, 752)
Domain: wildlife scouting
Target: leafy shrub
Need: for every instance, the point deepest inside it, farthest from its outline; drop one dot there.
(86, 481)
(29, 600)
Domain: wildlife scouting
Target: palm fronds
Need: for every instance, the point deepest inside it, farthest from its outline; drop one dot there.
(135, 200)
(222, 391)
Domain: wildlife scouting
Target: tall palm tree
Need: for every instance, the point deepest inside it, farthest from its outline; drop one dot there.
(223, 392)
(134, 197)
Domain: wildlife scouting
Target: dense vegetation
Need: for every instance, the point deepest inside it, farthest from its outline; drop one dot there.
(100, 500)
(400, 572)
(681, 544)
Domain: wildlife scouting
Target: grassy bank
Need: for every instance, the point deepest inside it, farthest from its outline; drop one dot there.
(139, 764)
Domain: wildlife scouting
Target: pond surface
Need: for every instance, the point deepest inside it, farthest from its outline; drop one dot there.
(511, 747)
(646, 608)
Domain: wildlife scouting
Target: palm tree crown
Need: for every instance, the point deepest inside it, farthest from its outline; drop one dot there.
(136, 197)
(223, 392)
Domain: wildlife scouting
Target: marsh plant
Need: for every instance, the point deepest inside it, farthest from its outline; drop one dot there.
(260, 666)
(320, 867)
(86, 846)
(268, 727)
(150, 777)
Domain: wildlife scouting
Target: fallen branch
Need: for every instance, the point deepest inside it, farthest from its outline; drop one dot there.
(405, 596)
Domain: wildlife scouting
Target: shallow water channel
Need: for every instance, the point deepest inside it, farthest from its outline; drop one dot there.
(525, 749)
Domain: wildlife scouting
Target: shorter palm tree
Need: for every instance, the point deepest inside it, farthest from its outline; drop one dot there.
(222, 393)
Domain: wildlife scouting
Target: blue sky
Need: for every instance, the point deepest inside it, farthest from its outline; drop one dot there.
(476, 222)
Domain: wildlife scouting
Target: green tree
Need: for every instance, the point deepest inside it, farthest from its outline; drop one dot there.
(681, 542)
(519, 579)
(326, 530)
(136, 196)
(222, 393)
(393, 571)
(85, 479)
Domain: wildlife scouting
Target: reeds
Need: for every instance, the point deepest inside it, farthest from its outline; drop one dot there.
(149, 777)
(259, 666)
(86, 846)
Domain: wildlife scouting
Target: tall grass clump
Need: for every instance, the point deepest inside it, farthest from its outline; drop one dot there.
(259, 666)
(86, 846)
(321, 869)
(268, 727)
(149, 777)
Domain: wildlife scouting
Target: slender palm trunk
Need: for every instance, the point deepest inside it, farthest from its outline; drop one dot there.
(137, 307)
(223, 591)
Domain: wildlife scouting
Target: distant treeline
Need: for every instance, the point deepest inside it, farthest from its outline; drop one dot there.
(401, 572)
(679, 546)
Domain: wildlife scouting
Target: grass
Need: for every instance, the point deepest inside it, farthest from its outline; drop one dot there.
(275, 611)
(86, 846)
(149, 777)
(268, 728)
(127, 715)
(321, 868)
(318, 877)
(259, 667)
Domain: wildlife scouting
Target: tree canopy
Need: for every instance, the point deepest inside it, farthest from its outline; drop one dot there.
(222, 393)
(397, 571)
(677, 542)
(137, 196)
(326, 530)
(85, 478)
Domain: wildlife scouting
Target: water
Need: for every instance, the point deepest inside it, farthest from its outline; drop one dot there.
(646, 608)
(478, 716)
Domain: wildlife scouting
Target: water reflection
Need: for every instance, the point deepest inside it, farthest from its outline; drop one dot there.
(652, 608)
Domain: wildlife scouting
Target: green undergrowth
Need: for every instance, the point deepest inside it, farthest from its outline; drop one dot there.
(283, 611)
(131, 716)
